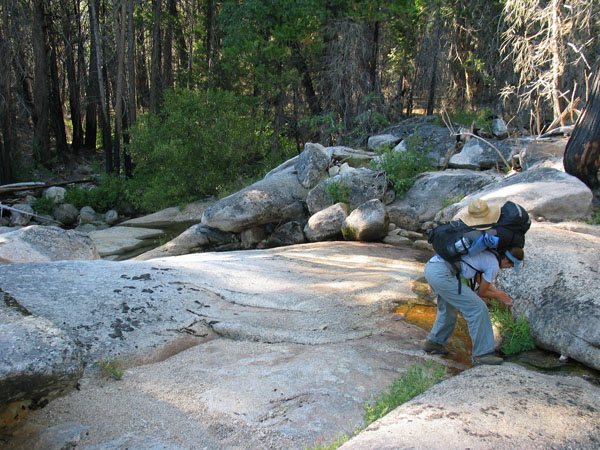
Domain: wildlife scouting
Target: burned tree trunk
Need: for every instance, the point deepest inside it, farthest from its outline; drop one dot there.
(582, 154)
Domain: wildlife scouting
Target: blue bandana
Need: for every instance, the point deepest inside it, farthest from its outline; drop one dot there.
(516, 263)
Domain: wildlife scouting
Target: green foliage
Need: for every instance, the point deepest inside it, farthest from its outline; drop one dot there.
(469, 117)
(338, 189)
(111, 193)
(402, 167)
(200, 143)
(110, 367)
(451, 199)
(322, 443)
(43, 205)
(516, 336)
(416, 380)
(594, 218)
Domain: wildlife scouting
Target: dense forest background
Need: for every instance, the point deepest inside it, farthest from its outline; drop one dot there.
(188, 96)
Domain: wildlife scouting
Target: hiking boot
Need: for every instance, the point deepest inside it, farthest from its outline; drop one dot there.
(435, 348)
(490, 359)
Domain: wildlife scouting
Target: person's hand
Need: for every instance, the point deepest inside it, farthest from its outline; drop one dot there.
(504, 298)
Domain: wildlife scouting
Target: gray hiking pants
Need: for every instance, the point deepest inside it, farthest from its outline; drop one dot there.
(450, 302)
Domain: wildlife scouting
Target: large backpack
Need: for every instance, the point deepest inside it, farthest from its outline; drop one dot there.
(452, 240)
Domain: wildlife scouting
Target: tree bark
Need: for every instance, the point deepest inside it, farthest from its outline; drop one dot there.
(41, 85)
(7, 134)
(103, 104)
(57, 118)
(155, 64)
(69, 34)
(582, 154)
(120, 11)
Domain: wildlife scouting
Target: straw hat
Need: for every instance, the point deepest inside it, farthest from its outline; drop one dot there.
(479, 213)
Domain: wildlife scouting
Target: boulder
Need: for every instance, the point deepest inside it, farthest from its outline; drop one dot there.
(311, 164)
(55, 193)
(557, 291)
(435, 139)
(358, 186)
(37, 243)
(404, 216)
(66, 213)
(542, 191)
(111, 217)
(380, 141)
(368, 222)
(120, 240)
(88, 215)
(353, 157)
(191, 214)
(38, 361)
(20, 215)
(433, 191)
(483, 154)
(536, 150)
(197, 238)
(499, 128)
(491, 407)
(252, 236)
(326, 224)
(289, 233)
(277, 198)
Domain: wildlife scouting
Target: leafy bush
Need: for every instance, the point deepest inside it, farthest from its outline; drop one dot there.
(338, 189)
(200, 143)
(111, 193)
(416, 380)
(43, 205)
(468, 117)
(402, 167)
(516, 336)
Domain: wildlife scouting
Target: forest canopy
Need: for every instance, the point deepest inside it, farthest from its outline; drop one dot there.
(270, 75)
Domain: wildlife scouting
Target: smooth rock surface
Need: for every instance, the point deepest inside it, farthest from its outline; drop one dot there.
(118, 240)
(37, 243)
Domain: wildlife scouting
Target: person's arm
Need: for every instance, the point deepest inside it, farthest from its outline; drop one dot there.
(486, 289)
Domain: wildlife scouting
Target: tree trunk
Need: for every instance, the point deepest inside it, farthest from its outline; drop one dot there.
(41, 85)
(131, 106)
(155, 64)
(582, 154)
(141, 73)
(120, 11)
(7, 134)
(57, 118)
(70, 14)
(103, 104)
(168, 46)
(211, 33)
(92, 99)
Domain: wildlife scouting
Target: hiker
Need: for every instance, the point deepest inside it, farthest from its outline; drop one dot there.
(483, 267)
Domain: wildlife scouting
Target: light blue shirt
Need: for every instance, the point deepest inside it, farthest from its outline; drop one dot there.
(485, 262)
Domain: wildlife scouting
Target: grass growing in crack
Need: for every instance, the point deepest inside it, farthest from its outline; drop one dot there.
(416, 380)
(516, 335)
(110, 367)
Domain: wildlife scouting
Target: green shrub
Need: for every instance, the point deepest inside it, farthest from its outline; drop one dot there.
(110, 367)
(43, 205)
(469, 117)
(111, 193)
(200, 143)
(516, 336)
(416, 380)
(402, 167)
(595, 217)
(338, 189)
